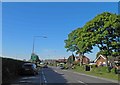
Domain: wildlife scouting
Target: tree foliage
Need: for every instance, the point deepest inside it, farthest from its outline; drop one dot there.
(102, 31)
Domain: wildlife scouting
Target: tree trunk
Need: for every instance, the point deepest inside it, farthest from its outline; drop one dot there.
(81, 59)
(107, 61)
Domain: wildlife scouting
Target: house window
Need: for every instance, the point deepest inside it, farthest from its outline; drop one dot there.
(104, 62)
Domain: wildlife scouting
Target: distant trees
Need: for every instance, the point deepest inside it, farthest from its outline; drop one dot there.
(70, 60)
(102, 31)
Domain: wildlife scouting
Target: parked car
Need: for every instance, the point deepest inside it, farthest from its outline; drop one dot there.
(29, 68)
(62, 67)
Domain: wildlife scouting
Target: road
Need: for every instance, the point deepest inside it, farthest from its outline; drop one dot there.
(54, 75)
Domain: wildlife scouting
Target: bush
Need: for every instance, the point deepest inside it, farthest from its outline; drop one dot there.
(113, 70)
(94, 68)
(104, 69)
(99, 69)
(76, 63)
(66, 66)
(79, 68)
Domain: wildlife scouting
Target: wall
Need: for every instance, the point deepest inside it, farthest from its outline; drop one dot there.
(100, 60)
(10, 69)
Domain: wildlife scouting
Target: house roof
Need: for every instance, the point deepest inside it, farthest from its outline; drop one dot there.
(99, 57)
(77, 57)
(61, 60)
(86, 57)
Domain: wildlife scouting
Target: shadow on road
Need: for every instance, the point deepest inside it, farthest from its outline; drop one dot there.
(25, 79)
(47, 76)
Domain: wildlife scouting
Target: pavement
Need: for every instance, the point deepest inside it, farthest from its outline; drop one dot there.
(57, 76)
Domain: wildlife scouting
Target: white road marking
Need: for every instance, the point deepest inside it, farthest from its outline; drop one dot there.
(25, 81)
(58, 72)
(22, 81)
(82, 82)
(55, 71)
(28, 77)
(32, 77)
(45, 81)
(61, 73)
(114, 81)
(64, 70)
(24, 78)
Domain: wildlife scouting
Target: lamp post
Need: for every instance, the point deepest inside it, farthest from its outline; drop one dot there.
(34, 41)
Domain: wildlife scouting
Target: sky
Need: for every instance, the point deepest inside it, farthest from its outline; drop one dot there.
(55, 20)
(60, 0)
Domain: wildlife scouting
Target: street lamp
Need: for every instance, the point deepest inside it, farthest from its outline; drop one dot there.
(34, 41)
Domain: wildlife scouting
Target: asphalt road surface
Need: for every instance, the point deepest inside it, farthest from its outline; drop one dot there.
(54, 75)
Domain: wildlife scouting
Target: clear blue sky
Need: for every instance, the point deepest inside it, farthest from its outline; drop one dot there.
(22, 21)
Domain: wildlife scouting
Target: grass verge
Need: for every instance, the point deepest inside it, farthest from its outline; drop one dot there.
(99, 72)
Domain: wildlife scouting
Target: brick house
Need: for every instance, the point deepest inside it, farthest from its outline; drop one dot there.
(77, 59)
(84, 60)
(100, 60)
(61, 60)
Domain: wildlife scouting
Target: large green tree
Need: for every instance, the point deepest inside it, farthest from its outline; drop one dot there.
(102, 31)
(106, 35)
(70, 43)
(78, 42)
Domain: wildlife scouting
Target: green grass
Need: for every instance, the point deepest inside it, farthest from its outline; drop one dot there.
(100, 72)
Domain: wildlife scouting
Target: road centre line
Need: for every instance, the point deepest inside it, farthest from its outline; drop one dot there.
(45, 81)
(22, 81)
(24, 78)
